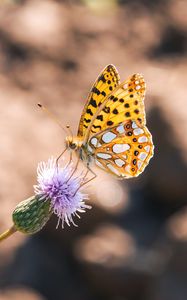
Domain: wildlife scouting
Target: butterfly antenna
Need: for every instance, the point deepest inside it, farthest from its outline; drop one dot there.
(69, 131)
(54, 118)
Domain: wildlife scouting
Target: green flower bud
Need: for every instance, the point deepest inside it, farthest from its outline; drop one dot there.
(31, 215)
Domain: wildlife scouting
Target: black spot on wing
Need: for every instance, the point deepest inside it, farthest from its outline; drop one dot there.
(102, 78)
(96, 91)
(140, 120)
(109, 68)
(127, 126)
(97, 126)
(93, 103)
(100, 117)
(136, 111)
(110, 123)
(106, 110)
(115, 111)
(87, 120)
(129, 133)
(89, 112)
(134, 162)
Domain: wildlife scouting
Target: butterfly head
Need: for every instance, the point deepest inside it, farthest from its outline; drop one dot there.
(73, 143)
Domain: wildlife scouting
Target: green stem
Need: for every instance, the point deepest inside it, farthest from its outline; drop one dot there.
(7, 233)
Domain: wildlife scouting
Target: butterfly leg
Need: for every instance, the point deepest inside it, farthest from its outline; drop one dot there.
(61, 154)
(85, 175)
(70, 159)
(92, 178)
(93, 173)
(75, 169)
(83, 180)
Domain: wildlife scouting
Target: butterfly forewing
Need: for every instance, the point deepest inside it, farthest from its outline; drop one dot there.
(126, 102)
(123, 150)
(104, 85)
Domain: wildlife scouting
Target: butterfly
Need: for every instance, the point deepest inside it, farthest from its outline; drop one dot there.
(112, 130)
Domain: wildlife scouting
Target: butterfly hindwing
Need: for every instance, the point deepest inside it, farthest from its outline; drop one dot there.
(104, 85)
(126, 102)
(123, 150)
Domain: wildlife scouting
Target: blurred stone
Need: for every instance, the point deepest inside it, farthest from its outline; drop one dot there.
(101, 6)
(170, 282)
(36, 24)
(177, 226)
(178, 12)
(108, 257)
(18, 293)
(109, 246)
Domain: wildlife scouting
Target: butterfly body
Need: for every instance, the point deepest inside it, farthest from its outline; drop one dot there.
(112, 131)
(77, 145)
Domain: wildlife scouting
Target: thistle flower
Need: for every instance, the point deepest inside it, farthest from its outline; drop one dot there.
(63, 189)
(58, 191)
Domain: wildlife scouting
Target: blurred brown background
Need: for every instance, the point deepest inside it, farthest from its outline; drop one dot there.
(133, 243)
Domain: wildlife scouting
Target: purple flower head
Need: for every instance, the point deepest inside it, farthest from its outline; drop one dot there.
(62, 188)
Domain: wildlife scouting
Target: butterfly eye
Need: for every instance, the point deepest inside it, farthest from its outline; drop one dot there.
(73, 146)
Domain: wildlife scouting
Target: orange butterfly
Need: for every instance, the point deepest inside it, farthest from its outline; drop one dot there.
(112, 131)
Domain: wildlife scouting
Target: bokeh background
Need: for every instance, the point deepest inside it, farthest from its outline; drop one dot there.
(133, 243)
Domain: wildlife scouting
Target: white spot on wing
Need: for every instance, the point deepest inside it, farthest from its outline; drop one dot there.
(125, 86)
(99, 164)
(94, 141)
(113, 169)
(128, 168)
(138, 131)
(104, 155)
(140, 164)
(119, 162)
(119, 148)
(147, 148)
(134, 125)
(137, 82)
(138, 87)
(142, 155)
(142, 139)
(108, 137)
(120, 129)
